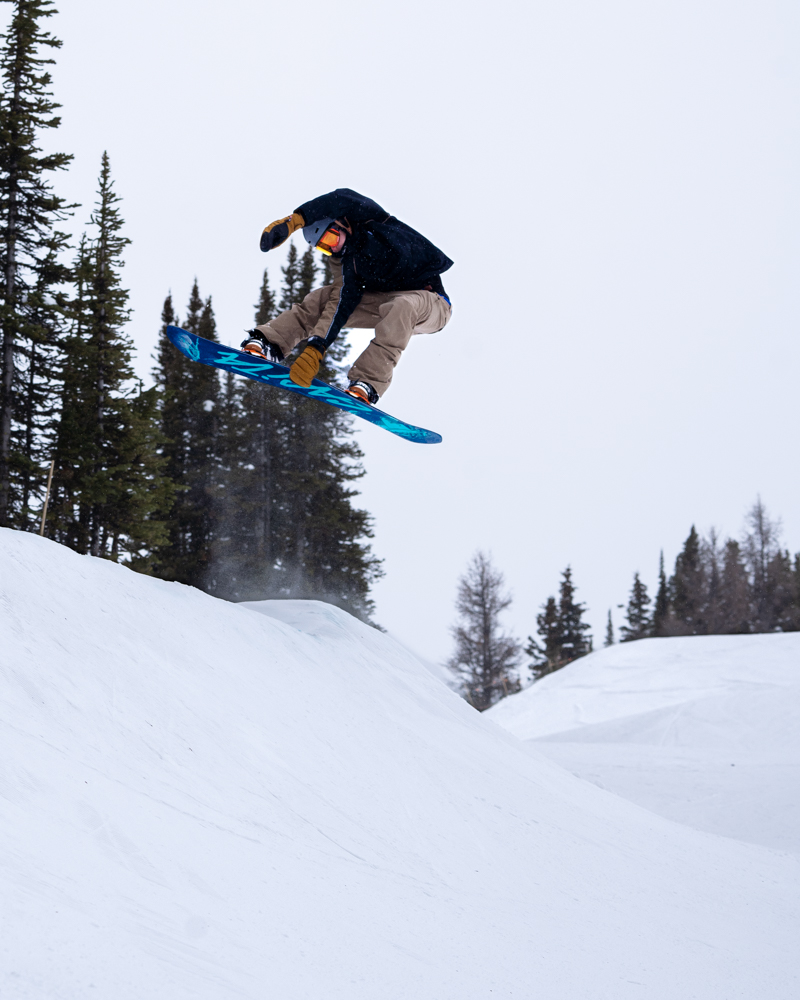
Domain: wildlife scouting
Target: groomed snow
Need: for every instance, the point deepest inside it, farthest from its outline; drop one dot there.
(204, 801)
(703, 729)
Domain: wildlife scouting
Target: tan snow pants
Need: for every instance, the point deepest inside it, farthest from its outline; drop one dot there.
(394, 316)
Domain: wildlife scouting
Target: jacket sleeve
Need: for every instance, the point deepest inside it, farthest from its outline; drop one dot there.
(339, 204)
(341, 305)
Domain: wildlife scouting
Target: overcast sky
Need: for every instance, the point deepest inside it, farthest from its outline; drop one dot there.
(617, 184)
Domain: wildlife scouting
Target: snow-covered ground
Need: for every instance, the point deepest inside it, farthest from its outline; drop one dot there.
(703, 730)
(203, 800)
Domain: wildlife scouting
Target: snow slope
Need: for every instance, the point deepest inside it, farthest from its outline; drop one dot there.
(204, 801)
(703, 730)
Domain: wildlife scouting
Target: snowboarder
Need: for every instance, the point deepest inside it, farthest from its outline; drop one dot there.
(386, 278)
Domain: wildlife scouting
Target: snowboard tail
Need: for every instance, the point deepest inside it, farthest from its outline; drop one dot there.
(207, 352)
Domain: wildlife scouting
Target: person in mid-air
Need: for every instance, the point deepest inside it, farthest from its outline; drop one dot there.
(386, 278)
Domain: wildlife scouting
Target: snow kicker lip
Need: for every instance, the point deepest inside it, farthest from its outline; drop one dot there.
(270, 373)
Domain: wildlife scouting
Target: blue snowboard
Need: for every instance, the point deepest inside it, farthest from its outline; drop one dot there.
(260, 370)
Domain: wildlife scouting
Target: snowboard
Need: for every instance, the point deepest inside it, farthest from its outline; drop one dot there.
(260, 370)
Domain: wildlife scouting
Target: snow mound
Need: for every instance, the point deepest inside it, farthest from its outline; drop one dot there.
(203, 800)
(702, 729)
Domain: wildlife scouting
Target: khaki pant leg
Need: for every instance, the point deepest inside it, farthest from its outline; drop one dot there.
(399, 316)
(297, 323)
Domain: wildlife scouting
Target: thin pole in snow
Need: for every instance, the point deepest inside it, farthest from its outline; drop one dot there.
(47, 495)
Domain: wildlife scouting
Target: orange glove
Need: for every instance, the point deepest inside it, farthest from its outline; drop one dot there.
(306, 367)
(279, 232)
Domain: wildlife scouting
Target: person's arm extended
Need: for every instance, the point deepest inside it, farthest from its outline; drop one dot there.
(341, 204)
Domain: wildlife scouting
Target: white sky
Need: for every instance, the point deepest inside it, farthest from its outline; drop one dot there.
(617, 184)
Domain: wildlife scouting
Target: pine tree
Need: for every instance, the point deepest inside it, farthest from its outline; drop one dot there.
(485, 658)
(609, 631)
(661, 608)
(307, 273)
(796, 582)
(688, 590)
(784, 612)
(710, 556)
(640, 624)
(546, 657)
(575, 642)
(31, 314)
(109, 491)
(38, 393)
(562, 630)
(291, 280)
(189, 401)
(265, 308)
(735, 611)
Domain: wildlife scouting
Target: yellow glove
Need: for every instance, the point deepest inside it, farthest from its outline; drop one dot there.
(279, 232)
(306, 367)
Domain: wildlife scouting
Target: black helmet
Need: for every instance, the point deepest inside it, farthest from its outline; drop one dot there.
(313, 231)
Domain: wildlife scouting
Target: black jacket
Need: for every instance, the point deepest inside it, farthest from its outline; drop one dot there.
(381, 255)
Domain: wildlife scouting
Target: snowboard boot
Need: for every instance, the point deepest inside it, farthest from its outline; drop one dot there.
(256, 343)
(363, 391)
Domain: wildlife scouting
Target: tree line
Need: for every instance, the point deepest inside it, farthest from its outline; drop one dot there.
(217, 482)
(720, 587)
(717, 588)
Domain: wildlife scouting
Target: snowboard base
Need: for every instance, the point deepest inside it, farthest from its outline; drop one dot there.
(207, 352)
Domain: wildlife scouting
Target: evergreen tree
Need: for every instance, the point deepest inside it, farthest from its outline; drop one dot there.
(546, 657)
(38, 394)
(292, 279)
(796, 586)
(108, 488)
(562, 630)
(31, 314)
(265, 307)
(575, 642)
(688, 590)
(734, 594)
(710, 556)
(661, 608)
(485, 658)
(784, 610)
(307, 273)
(609, 631)
(189, 400)
(640, 624)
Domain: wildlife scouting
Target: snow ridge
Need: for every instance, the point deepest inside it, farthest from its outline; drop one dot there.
(204, 800)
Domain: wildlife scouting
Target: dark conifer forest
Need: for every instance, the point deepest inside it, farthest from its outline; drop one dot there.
(216, 482)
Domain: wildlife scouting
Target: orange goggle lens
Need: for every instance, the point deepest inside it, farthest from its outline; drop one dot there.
(328, 240)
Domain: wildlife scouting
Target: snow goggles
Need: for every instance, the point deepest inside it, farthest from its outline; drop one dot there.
(328, 240)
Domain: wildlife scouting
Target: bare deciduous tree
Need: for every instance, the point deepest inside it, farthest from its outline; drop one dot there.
(485, 658)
